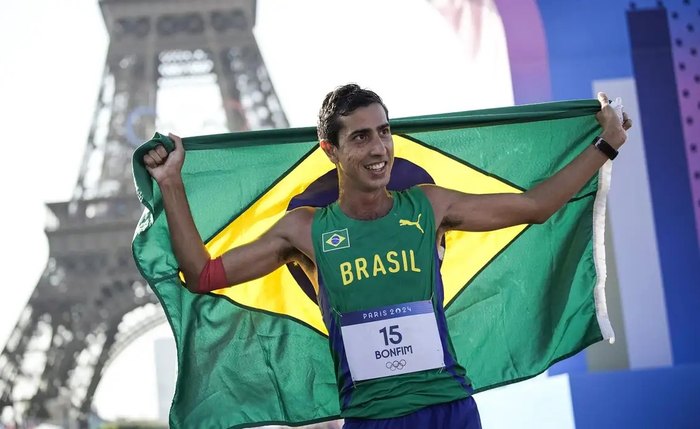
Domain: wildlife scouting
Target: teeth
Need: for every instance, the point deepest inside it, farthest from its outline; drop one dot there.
(376, 166)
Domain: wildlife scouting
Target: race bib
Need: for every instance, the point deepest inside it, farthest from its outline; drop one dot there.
(392, 340)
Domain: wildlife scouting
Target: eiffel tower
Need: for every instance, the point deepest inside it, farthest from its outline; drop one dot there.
(91, 302)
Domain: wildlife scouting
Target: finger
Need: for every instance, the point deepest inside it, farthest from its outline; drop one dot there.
(160, 150)
(177, 140)
(156, 157)
(603, 99)
(149, 161)
(627, 124)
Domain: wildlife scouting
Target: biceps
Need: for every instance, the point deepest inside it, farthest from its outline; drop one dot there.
(489, 212)
(256, 259)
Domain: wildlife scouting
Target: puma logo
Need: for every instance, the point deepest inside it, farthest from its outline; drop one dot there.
(404, 222)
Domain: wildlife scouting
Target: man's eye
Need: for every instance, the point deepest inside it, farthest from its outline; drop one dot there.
(386, 131)
(359, 137)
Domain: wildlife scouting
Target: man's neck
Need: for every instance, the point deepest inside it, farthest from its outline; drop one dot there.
(365, 205)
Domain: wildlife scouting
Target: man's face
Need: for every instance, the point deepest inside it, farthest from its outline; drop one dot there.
(365, 152)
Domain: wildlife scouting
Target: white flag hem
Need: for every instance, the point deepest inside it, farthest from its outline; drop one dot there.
(601, 308)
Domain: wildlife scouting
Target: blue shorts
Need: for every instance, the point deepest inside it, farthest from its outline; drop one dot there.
(461, 414)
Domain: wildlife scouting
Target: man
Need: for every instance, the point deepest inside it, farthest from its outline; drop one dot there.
(390, 274)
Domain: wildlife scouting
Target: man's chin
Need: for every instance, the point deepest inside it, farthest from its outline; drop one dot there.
(377, 184)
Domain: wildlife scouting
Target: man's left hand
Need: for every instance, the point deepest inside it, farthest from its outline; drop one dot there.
(614, 131)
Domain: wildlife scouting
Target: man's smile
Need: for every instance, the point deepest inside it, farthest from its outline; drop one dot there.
(376, 167)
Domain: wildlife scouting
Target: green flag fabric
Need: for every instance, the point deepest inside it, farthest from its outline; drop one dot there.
(517, 300)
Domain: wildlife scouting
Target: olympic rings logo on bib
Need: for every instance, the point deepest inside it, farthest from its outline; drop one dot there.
(396, 365)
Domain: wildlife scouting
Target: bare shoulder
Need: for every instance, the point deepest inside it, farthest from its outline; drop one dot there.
(433, 192)
(295, 225)
(439, 197)
(299, 217)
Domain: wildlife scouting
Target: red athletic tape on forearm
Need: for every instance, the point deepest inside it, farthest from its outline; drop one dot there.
(212, 277)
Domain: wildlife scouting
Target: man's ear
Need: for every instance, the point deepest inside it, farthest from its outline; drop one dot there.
(329, 149)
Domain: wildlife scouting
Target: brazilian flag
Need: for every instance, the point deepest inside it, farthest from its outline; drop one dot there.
(517, 300)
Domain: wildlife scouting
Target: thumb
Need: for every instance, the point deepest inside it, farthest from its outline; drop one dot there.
(178, 142)
(603, 99)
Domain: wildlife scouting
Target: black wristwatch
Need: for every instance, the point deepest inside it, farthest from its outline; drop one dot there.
(604, 147)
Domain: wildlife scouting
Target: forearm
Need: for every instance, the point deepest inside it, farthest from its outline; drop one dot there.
(187, 245)
(551, 194)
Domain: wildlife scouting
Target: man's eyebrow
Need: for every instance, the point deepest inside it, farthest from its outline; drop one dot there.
(367, 129)
(359, 131)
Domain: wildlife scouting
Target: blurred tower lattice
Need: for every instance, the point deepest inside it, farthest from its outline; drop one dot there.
(91, 302)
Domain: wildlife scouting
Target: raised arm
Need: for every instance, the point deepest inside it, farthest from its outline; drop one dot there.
(253, 260)
(469, 212)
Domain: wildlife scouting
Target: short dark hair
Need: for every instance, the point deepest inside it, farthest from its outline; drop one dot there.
(342, 101)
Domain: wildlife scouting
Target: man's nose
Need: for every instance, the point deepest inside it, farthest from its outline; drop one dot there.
(378, 145)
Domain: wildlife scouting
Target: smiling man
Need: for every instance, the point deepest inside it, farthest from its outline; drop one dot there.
(374, 260)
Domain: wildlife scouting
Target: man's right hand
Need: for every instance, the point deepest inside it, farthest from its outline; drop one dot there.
(164, 166)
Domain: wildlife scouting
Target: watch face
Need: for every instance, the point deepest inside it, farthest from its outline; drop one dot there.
(140, 120)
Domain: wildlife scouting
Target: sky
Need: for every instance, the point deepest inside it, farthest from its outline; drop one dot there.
(52, 62)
